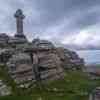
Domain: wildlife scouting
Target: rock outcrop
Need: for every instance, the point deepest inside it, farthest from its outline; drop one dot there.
(49, 63)
(70, 59)
(5, 54)
(20, 68)
(38, 60)
(3, 40)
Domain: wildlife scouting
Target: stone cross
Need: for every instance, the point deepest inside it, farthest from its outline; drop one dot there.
(19, 21)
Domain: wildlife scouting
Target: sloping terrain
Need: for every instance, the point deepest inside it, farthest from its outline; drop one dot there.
(74, 86)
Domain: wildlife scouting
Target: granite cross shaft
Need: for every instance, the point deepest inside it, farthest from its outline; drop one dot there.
(19, 21)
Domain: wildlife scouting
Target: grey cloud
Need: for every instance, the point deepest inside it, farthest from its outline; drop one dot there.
(45, 17)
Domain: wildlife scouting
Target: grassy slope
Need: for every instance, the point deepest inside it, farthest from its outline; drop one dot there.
(71, 88)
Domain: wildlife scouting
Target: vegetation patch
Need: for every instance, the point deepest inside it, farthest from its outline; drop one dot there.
(74, 86)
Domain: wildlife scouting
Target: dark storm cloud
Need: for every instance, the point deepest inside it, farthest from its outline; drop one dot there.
(61, 18)
(55, 10)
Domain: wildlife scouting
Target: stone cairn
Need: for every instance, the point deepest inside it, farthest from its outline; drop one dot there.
(39, 60)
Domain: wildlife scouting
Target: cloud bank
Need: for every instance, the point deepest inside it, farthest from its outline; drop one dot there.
(65, 22)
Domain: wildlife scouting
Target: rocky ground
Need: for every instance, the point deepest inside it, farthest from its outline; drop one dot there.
(74, 86)
(4, 89)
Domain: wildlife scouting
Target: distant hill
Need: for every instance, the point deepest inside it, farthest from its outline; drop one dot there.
(81, 47)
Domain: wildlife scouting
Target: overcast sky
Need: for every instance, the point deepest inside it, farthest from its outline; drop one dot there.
(61, 21)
